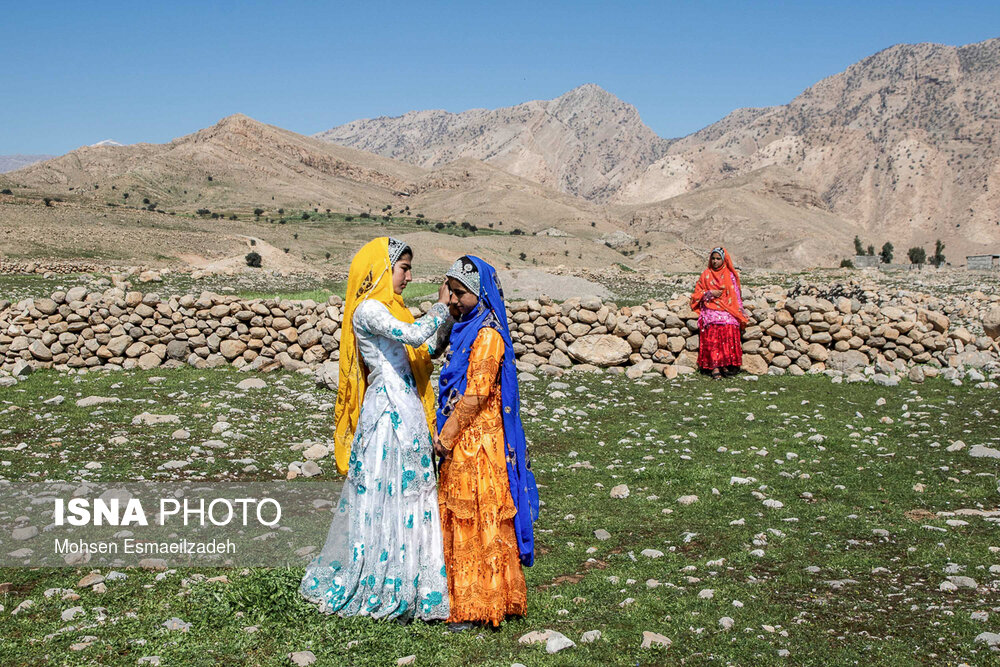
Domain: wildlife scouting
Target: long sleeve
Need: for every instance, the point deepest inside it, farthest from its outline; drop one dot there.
(439, 341)
(374, 318)
(698, 297)
(484, 364)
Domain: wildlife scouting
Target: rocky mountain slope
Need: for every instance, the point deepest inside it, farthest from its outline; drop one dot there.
(587, 142)
(902, 144)
(899, 147)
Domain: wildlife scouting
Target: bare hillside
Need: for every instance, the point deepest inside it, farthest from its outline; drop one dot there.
(901, 143)
(238, 162)
(587, 142)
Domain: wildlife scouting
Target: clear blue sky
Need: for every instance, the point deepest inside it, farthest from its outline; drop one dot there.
(74, 73)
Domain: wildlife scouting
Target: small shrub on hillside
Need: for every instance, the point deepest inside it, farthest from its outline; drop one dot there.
(253, 260)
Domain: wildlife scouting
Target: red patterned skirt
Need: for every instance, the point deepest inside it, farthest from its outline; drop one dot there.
(719, 345)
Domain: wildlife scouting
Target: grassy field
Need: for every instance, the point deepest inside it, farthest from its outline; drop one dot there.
(823, 527)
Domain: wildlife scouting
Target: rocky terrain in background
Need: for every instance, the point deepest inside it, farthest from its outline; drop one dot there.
(899, 147)
(586, 143)
(852, 329)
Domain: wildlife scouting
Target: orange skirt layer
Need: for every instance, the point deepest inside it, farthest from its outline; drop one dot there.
(485, 580)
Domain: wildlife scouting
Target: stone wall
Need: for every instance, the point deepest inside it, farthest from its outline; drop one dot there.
(792, 334)
(60, 267)
(867, 261)
(981, 263)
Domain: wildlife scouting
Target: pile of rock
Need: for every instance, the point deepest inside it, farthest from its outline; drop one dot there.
(57, 266)
(870, 335)
(785, 335)
(121, 329)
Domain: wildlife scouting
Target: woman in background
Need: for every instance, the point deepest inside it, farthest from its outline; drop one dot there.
(719, 304)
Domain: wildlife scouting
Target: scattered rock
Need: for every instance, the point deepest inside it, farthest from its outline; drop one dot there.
(653, 640)
(302, 658)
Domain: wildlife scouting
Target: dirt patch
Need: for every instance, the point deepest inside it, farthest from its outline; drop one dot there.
(272, 259)
(919, 515)
(577, 577)
(532, 283)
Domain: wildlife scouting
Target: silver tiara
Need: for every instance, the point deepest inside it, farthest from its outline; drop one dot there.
(465, 272)
(396, 250)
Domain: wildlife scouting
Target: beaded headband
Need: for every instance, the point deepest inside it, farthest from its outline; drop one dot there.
(396, 250)
(465, 272)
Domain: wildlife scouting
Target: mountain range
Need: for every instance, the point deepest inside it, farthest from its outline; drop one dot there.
(14, 162)
(898, 147)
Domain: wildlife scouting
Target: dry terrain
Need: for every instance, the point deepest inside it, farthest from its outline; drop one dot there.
(898, 147)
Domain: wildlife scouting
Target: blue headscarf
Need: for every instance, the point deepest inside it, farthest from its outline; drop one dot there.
(492, 312)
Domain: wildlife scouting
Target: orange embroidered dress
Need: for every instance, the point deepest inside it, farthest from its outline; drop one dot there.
(485, 580)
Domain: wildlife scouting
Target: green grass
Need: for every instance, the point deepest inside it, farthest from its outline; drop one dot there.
(662, 439)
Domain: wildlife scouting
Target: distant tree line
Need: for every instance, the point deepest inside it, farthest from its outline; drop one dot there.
(916, 255)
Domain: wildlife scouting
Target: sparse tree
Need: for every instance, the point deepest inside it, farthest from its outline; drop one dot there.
(523, 256)
(846, 264)
(871, 250)
(858, 248)
(938, 258)
(886, 254)
(253, 259)
(917, 255)
(258, 212)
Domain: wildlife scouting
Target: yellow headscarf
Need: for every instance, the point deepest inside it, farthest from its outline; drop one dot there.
(370, 277)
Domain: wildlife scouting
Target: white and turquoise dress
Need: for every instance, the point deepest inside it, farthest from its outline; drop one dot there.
(384, 554)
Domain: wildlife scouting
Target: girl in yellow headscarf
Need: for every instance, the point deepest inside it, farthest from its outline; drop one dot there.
(384, 554)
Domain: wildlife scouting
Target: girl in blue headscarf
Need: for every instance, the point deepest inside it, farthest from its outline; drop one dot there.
(487, 494)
